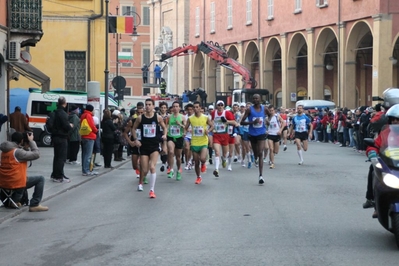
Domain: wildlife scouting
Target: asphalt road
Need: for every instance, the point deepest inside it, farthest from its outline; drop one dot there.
(302, 215)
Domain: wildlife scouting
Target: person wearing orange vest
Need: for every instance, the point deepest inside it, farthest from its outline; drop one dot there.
(13, 170)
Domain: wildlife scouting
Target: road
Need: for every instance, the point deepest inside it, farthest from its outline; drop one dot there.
(302, 215)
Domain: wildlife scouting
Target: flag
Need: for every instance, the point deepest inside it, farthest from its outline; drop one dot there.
(125, 57)
(120, 24)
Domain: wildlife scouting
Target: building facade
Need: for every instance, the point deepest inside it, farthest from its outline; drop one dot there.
(345, 51)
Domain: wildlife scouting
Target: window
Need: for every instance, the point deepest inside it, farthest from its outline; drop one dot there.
(270, 9)
(146, 91)
(229, 14)
(298, 6)
(75, 71)
(146, 56)
(212, 17)
(146, 15)
(126, 57)
(321, 3)
(197, 21)
(249, 12)
(129, 11)
(127, 91)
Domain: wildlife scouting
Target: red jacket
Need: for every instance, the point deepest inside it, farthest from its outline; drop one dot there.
(89, 117)
(381, 141)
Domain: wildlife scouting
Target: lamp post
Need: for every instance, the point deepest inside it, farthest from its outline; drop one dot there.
(106, 71)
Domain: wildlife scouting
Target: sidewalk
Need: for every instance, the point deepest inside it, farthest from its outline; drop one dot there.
(43, 166)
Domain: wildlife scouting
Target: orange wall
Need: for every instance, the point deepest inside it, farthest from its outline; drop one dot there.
(3, 12)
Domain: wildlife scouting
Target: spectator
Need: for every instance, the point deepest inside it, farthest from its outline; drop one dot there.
(118, 147)
(74, 137)
(13, 170)
(203, 95)
(97, 145)
(145, 73)
(88, 140)
(59, 137)
(184, 97)
(18, 121)
(108, 131)
(157, 73)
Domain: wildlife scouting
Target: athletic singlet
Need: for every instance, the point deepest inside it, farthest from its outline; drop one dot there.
(219, 126)
(188, 133)
(274, 125)
(301, 123)
(148, 128)
(258, 128)
(199, 125)
(174, 130)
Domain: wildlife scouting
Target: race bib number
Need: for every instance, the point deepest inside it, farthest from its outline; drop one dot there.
(174, 131)
(199, 131)
(230, 130)
(273, 125)
(220, 128)
(149, 130)
(138, 134)
(260, 122)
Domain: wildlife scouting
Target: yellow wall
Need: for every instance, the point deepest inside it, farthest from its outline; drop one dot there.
(66, 29)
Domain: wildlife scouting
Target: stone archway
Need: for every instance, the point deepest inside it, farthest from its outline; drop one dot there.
(297, 67)
(272, 75)
(358, 66)
(325, 64)
(198, 72)
(229, 75)
(251, 60)
(213, 80)
(395, 65)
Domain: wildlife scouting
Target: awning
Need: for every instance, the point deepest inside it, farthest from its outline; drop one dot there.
(32, 73)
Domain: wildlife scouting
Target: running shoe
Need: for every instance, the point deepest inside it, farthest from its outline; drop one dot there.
(210, 161)
(203, 168)
(265, 160)
(242, 163)
(249, 165)
(137, 173)
(235, 159)
(216, 173)
(252, 158)
(285, 148)
(140, 187)
(171, 174)
(224, 164)
(229, 168)
(168, 171)
(257, 162)
(145, 181)
(152, 194)
(261, 180)
(272, 166)
(162, 168)
(178, 176)
(300, 163)
(188, 166)
(198, 181)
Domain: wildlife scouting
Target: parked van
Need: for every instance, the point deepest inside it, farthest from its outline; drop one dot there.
(315, 104)
(41, 104)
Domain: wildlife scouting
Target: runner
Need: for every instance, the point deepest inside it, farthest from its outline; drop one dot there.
(221, 119)
(149, 143)
(257, 131)
(284, 116)
(176, 123)
(163, 112)
(210, 136)
(232, 141)
(237, 144)
(189, 108)
(245, 146)
(199, 141)
(301, 129)
(276, 125)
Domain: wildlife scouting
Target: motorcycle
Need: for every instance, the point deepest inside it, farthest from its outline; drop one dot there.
(386, 179)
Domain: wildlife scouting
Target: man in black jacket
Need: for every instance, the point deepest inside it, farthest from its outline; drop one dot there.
(60, 141)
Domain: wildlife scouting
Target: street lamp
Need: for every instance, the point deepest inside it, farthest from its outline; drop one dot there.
(106, 71)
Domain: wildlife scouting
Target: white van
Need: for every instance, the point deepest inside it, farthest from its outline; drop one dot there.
(41, 104)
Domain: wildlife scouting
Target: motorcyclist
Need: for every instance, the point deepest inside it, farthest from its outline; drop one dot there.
(382, 138)
(390, 97)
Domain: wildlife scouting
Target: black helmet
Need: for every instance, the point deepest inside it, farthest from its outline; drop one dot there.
(391, 97)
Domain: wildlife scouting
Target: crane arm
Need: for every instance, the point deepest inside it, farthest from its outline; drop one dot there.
(217, 53)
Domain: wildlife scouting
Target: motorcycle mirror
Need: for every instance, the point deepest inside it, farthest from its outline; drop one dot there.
(377, 98)
(369, 142)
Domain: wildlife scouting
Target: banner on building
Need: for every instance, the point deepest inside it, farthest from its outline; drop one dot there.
(120, 24)
(125, 57)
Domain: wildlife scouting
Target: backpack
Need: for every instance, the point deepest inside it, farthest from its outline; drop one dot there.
(50, 122)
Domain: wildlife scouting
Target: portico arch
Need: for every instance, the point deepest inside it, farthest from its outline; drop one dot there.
(251, 60)
(272, 70)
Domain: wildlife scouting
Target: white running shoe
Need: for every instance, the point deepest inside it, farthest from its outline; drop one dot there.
(300, 163)
(140, 187)
(229, 168)
(261, 180)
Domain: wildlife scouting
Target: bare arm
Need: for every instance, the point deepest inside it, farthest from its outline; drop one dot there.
(210, 124)
(245, 116)
(163, 125)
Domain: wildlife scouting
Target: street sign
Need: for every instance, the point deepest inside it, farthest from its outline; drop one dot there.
(119, 82)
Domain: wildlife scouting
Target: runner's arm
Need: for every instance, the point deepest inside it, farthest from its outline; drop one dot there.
(135, 126)
(210, 124)
(244, 117)
(165, 130)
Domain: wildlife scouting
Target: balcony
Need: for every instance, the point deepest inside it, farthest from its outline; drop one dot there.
(25, 21)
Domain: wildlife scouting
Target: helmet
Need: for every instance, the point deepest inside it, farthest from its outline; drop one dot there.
(391, 97)
(393, 111)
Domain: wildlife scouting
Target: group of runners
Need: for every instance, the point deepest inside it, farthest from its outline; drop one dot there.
(251, 131)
